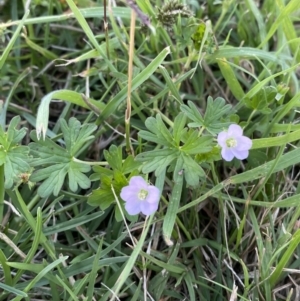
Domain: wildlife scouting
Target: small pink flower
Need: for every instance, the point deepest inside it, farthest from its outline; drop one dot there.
(140, 197)
(234, 144)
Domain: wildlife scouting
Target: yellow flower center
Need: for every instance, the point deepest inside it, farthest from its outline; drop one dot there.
(142, 194)
(231, 142)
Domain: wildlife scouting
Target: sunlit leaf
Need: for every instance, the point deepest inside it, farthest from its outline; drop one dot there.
(198, 35)
(179, 146)
(216, 116)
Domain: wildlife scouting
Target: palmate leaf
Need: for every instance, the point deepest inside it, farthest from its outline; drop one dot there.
(76, 135)
(115, 160)
(157, 160)
(179, 146)
(56, 162)
(161, 134)
(104, 196)
(12, 155)
(114, 157)
(216, 116)
(195, 145)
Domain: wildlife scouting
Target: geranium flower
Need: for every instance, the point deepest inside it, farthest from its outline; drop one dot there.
(234, 144)
(140, 197)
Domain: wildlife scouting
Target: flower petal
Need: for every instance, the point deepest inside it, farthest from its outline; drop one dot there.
(148, 208)
(139, 182)
(240, 154)
(133, 208)
(222, 137)
(243, 143)
(129, 193)
(235, 130)
(227, 154)
(153, 194)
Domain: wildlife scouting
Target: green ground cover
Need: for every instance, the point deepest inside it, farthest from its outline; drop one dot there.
(149, 150)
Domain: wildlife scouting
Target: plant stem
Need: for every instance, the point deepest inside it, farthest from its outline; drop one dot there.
(104, 163)
(2, 192)
(129, 148)
(106, 37)
(106, 30)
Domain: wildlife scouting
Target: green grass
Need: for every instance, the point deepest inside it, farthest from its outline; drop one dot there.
(64, 232)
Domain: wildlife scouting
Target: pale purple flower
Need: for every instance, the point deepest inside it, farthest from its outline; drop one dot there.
(140, 197)
(234, 144)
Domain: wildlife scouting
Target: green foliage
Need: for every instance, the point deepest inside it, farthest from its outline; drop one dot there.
(204, 34)
(179, 146)
(210, 157)
(243, 218)
(13, 155)
(215, 119)
(104, 196)
(262, 100)
(198, 35)
(56, 162)
(112, 178)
